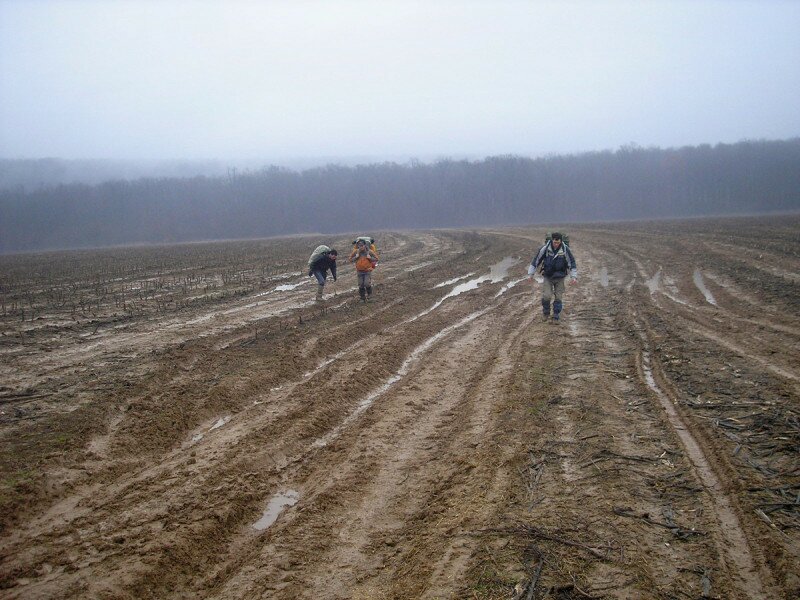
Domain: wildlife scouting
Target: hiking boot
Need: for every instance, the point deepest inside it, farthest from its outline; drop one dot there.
(545, 317)
(319, 294)
(556, 319)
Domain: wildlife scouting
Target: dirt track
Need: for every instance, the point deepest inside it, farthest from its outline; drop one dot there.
(432, 443)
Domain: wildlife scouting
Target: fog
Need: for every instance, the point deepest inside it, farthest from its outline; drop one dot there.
(284, 82)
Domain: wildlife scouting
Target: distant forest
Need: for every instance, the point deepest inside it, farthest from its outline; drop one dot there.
(630, 183)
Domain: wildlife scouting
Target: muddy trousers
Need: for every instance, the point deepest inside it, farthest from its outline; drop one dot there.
(551, 288)
(320, 283)
(364, 284)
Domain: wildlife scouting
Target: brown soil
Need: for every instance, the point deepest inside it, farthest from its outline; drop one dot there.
(174, 424)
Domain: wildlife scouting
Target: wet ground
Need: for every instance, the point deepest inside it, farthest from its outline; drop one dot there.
(187, 422)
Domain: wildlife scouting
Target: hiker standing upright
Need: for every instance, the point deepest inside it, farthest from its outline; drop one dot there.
(322, 259)
(365, 260)
(555, 261)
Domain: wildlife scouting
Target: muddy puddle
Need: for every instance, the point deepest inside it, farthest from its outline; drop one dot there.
(671, 291)
(220, 423)
(654, 282)
(509, 285)
(603, 276)
(454, 280)
(277, 504)
(497, 273)
(286, 287)
(697, 277)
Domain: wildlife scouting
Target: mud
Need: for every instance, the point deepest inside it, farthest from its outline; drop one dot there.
(187, 422)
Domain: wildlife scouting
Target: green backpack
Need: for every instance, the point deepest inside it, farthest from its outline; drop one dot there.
(318, 252)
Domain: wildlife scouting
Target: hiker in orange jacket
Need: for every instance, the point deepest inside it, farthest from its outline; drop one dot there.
(365, 260)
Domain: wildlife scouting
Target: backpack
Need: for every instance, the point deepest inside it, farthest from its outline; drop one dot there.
(318, 252)
(558, 262)
(370, 242)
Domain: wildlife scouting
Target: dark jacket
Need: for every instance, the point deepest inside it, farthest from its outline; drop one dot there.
(555, 264)
(323, 263)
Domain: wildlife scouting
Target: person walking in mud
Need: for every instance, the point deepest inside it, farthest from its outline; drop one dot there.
(321, 261)
(555, 261)
(365, 260)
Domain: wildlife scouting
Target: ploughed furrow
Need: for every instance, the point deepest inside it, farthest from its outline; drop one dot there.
(678, 360)
(686, 365)
(148, 399)
(254, 452)
(439, 441)
(266, 435)
(349, 534)
(743, 417)
(609, 504)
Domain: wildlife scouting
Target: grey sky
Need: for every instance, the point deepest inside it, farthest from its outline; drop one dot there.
(160, 79)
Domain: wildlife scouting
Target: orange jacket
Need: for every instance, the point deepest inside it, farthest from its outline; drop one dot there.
(365, 261)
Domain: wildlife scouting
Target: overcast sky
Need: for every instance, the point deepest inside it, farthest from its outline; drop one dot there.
(166, 79)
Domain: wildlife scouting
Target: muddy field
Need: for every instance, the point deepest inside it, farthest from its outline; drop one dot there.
(186, 422)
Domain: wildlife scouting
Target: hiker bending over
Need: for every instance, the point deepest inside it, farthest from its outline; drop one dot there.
(322, 259)
(555, 262)
(365, 260)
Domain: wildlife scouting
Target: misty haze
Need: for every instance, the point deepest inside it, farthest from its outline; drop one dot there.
(399, 300)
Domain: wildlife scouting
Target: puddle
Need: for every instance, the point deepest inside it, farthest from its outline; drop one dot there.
(452, 281)
(735, 542)
(671, 291)
(508, 286)
(698, 281)
(220, 422)
(497, 272)
(401, 372)
(290, 286)
(654, 282)
(277, 504)
(604, 277)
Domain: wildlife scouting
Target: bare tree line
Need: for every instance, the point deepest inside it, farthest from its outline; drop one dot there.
(630, 183)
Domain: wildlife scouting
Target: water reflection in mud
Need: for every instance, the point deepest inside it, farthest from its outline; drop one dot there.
(654, 282)
(277, 504)
(701, 285)
(290, 286)
(454, 280)
(508, 286)
(604, 277)
(497, 272)
(220, 422)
